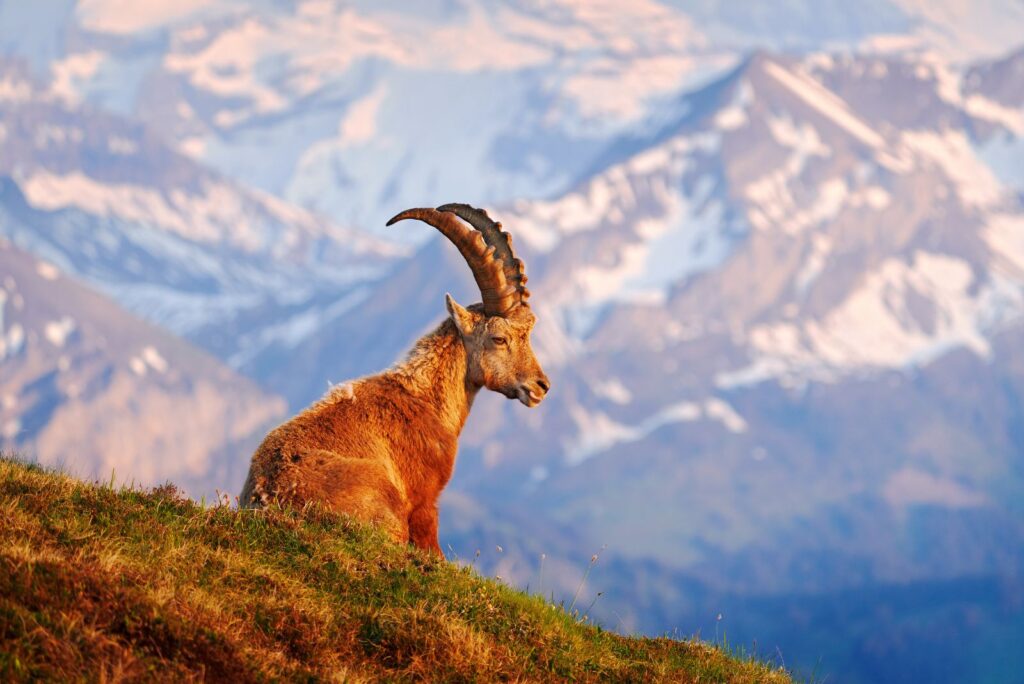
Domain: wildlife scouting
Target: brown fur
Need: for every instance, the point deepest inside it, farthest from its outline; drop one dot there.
(382, 448)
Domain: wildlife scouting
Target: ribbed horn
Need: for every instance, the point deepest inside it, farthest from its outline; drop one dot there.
(515, 273)
(499, 297)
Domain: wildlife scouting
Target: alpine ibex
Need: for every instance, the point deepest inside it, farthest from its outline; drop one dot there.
(382, 448)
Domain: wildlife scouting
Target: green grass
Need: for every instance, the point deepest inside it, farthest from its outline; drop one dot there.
(102, 584)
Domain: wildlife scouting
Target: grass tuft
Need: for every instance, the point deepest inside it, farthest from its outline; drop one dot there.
(100, 583)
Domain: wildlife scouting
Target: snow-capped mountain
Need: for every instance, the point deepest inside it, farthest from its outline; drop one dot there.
(106, 200)
(511, 100)
(323, 89)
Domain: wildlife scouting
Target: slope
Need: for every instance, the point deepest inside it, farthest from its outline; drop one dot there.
(147, 586)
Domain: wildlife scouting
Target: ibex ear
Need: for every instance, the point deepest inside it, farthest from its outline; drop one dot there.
(463, 318)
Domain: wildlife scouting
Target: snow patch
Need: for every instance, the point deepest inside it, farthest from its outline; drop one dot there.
(217, 212)
(611, 195)
(613, 390)
(948, 82)
(148, 359)
(194, 148)
(821, 246)
(873, 196)
(826, 103)
(137, 365)
(720, 410)
(774, 205)
(1004, 234)
(910, 486)
(983, 108)
(881, 324)
(290, 333)
(12, 341)
(154, 360)
(47, 271)
(57, 332)
(14, 90)
(70, 74)
(952, 152)
(360, 124)
(131, 16)
(730, 118)
(599, 433)
(227, 68)
(804, 139)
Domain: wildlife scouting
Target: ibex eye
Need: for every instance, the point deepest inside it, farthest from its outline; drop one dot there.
(500, 341)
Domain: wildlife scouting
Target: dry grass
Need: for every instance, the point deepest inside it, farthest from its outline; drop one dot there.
(101, 584)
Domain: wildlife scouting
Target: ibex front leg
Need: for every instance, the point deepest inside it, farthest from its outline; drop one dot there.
(423, 529)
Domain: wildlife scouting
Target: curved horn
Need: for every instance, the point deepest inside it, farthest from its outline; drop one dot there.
(498, 295)
(514, 268)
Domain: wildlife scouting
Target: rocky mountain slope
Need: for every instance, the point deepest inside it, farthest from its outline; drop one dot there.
(88, 387)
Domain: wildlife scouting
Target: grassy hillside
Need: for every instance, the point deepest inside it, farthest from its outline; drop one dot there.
(107, 584)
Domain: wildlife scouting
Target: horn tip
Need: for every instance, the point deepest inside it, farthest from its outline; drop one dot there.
(397, 217)
(408, 214)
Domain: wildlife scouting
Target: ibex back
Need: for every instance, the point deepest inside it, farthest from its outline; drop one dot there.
(381, 448)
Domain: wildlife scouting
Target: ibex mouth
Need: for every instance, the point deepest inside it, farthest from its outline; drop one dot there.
(527, 397)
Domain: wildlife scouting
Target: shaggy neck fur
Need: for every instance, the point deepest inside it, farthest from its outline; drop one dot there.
(436, 373)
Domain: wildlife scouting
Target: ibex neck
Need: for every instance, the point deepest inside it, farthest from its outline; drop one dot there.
(435, 371)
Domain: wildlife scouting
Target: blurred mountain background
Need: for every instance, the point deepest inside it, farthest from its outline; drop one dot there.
(777, 252)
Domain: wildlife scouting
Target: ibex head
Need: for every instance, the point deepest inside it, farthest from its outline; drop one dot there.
(496, 333)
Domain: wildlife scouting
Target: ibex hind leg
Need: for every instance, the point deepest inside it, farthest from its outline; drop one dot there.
(357, 487)
(248, 498)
